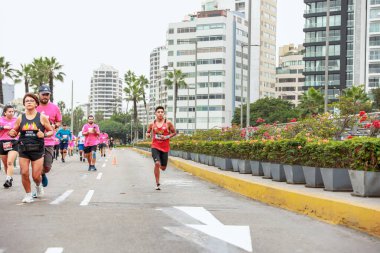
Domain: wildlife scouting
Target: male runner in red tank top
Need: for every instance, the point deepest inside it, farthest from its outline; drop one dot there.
(163, 130)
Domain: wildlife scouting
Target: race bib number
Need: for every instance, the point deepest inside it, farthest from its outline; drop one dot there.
(7, 146)
(64, 136)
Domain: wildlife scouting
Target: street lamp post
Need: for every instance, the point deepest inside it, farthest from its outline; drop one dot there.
(196, 83)
(72, 106)
(327, 53)
(249, 59)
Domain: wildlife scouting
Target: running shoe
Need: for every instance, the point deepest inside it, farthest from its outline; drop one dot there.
(8, 183)
(44, 180)
(27, 199)
(39, 191)
(89, 168)
(158, 187)
(94, 168)
(80, 158)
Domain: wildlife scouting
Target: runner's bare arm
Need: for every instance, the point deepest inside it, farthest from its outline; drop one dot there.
(48, 128)
(172, 130)
(150, 126)
(13, 132)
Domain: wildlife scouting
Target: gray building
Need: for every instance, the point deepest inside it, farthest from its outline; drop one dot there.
(8, 92)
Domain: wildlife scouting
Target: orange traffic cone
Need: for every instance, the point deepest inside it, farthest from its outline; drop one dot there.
(114, 160)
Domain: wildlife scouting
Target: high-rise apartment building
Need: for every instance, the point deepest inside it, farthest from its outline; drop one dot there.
(263, 57)
(206, 48)
(106, 91)
(347, 49)
(289, 77)
(373, 44)
(157, 89)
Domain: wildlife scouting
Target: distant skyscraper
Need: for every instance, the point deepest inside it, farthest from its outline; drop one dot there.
(157, 89)
(106, 91)
(8, 93)
(289, 77)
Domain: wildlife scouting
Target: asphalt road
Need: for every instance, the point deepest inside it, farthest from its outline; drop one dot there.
(117, 209)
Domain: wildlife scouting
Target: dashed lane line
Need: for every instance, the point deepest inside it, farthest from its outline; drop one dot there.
(62, 197)
(88, 197)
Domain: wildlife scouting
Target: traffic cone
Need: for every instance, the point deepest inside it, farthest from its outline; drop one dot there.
(114, 160)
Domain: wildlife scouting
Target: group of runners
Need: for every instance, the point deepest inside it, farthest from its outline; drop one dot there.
(34, 136)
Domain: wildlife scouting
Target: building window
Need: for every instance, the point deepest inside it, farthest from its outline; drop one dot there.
(186, 30)
(171, 30)
(211, 26)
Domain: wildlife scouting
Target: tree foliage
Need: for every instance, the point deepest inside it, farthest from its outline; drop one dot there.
(269, 109)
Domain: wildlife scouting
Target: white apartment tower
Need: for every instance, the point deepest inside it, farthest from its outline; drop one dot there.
(289, 78)
(207, 49)
(106, 91)
(263, 57)
(158, 59)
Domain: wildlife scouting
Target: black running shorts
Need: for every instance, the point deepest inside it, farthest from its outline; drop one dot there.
(160, 156)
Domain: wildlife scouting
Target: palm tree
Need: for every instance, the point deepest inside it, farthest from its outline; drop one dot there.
(177, 79)
(312, 102)
(54, 73)
(134, 92)
(62, 106)
(39, 73)
(143, 81)
(5, 71)
(25, 74)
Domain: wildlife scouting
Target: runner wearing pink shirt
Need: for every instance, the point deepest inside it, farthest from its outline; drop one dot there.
(103, 138)
(91, 132)
(8, 145)
(52, 112)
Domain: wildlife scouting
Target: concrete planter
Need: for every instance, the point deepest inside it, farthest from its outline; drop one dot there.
(194, 157)
(256, 168)
(223, 163)
(235, 165)
(202, 158)
(365, 183)
(267, 170)
(278, 172)
(174, 153)
(210, 160)
(336, 179)
(294, 174)
(313, 177)
(179, 154)
(186, 155)
(244, 167)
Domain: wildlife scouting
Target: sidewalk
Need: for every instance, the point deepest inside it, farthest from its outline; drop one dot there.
(333, 207)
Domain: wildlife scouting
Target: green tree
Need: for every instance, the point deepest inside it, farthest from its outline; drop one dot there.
(25, 74)
(176, 80)
(5, 71)
(376, 98)
(312, 103)
(114, 129)
(79, 121)
(99, 116)
(353, 100)
(143, 81)
(54, 73)
(62, 106)
(133, 91)
(120, 117)
(270, 109)
(39, 73)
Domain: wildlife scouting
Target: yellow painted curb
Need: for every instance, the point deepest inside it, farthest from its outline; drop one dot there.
(358, 217)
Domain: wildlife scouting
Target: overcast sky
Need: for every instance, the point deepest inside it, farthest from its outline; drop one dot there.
(82, 34)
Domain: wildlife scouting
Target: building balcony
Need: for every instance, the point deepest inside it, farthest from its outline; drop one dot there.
(322, 10)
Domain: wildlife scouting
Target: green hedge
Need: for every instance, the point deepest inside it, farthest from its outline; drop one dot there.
(357, 153)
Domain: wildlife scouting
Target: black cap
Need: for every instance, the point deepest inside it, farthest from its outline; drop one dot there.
(44, 89)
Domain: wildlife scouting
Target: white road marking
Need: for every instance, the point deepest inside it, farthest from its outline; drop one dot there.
(99, 176)
(239, 236)
(54, 250)
(104, 165)
(88, 197)
(61, 198)
(177, 182)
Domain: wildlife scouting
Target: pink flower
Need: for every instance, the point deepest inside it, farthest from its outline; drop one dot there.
(293, 120)
(260, 120)
(299, 147)
(376, 124)
(362, 113)
(350, 137)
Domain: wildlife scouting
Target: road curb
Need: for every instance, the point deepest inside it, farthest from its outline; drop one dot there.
(363, 218)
